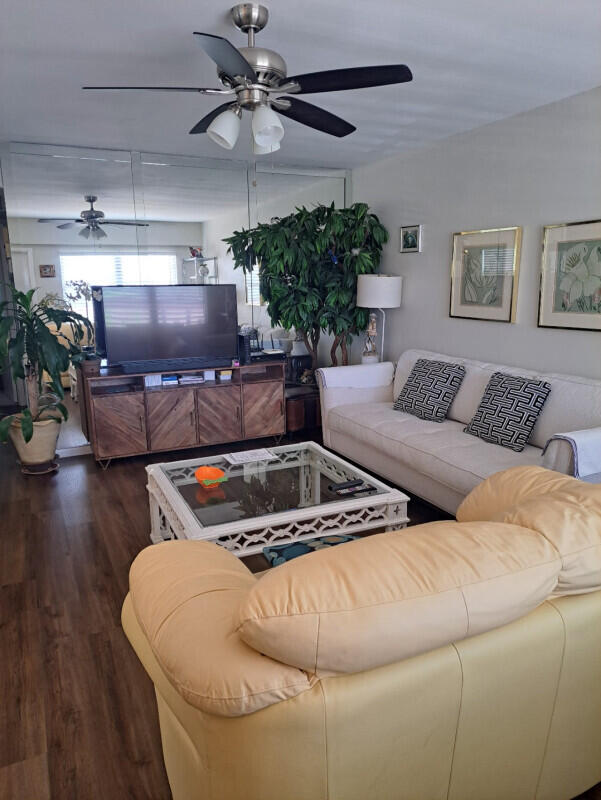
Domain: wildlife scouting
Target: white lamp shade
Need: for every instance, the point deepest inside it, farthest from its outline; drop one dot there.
(379, 291)
(225, 129)
(267, 126)
(259, 150)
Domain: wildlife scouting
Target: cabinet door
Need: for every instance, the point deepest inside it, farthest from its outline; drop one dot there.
(219, 414)
(120, 425)
(171, 418)
(263, 409)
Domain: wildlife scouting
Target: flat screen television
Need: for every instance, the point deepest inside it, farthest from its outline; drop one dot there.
(146, 328)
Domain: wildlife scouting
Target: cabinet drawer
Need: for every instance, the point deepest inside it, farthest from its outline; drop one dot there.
(120, 425)
(219, 414)
(263, 405)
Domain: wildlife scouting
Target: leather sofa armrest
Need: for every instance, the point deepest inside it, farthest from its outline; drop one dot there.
(360, 383)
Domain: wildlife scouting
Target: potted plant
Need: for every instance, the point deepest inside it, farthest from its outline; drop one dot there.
(309, 262)
(33, 349)
(350, 244)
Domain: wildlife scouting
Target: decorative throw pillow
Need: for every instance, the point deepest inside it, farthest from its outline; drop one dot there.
(508, 410)
(430, 389)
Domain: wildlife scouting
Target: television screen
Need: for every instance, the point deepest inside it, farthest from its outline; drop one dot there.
(148, 323)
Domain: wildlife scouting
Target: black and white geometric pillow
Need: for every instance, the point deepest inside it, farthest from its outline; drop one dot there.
(508, 410)
(430, 389)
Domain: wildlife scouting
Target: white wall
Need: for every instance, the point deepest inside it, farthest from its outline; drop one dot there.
(47, 243)
(534, 169)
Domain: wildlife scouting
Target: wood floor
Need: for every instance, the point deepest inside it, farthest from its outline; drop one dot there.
(77, 714)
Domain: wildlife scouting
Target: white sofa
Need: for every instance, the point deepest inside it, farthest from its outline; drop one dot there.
(438, 461)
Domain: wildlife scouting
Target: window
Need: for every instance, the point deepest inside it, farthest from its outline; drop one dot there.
(253, 288)
(118, 269)
(497, 260)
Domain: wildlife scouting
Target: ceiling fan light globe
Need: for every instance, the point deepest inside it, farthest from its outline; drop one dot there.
(264, 150)
(266, 126)
(97, 233)
(225, 129)
(85, 232)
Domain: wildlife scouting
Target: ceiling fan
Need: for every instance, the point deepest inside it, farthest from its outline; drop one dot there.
(256, 78)
(92, 219)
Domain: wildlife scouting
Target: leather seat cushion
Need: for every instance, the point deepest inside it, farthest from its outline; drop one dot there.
(377, 600)
(565, 510)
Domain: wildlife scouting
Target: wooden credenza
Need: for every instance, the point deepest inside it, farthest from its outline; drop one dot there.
(122, 417)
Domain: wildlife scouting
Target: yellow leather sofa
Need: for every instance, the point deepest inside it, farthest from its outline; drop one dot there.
(457, 660)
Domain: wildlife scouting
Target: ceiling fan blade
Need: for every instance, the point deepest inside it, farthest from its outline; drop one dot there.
(315, 117)
(66, 225)
(58, 219)
(158, 89)
(203, 124)
(121, 222)
(336, 80)
(225, 55)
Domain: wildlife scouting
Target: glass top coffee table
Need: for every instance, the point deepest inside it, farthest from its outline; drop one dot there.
(288, 498)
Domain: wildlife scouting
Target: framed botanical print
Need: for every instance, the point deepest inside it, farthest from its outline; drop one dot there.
(570, 286)
(484, 274)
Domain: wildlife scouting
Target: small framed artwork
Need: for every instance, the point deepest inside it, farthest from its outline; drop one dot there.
(411, 239)
(570, 284)
(484, 274)
(47, 271)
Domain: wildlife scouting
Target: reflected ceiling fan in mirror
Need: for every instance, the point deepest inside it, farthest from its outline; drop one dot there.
(255, 76)
(92, 219)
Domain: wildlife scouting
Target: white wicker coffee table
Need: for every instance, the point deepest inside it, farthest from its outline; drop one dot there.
(263, 503)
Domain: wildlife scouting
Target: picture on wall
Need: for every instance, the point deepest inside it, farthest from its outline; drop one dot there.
(411, 239)
(47, 271)
(570, 288)
(484, 274)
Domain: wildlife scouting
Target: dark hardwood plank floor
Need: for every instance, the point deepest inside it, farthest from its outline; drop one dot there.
(78, 718)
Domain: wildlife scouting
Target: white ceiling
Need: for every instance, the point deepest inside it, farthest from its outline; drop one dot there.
(42, 186)
(474, 62)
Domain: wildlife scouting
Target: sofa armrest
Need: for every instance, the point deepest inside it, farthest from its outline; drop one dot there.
(357, 376)
(576, 453)
(360, 383)
(558, 456)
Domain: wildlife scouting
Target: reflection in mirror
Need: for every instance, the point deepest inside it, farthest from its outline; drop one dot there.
(72, 222)
(273, 192)
(156, 219)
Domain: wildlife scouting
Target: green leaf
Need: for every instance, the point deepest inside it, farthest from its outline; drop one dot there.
(5, 424)
(27, 425)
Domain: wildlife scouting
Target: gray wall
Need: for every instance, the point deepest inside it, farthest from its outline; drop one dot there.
(534, 169)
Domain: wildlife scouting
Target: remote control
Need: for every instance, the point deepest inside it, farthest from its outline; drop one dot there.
(336, 487)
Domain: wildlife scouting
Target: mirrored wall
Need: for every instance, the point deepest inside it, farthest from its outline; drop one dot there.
(121, 217)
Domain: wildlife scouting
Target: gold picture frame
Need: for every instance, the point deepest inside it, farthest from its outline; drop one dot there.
(485, 271)
(570, 277)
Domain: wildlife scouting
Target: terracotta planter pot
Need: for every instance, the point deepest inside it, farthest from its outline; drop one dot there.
(41, 449)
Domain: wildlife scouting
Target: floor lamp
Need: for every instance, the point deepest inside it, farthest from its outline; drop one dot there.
(377, 291)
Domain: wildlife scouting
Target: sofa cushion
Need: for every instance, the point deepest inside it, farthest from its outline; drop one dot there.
(574, 402)
(564, 510)
(391, 596)
(508, 410)
(186, 595)
(430, 389)
(440, 450)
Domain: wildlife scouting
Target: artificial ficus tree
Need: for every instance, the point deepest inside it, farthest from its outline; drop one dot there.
(350, 244)
(309, 263)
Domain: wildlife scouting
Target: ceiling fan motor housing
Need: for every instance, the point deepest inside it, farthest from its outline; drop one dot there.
(269, 66)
